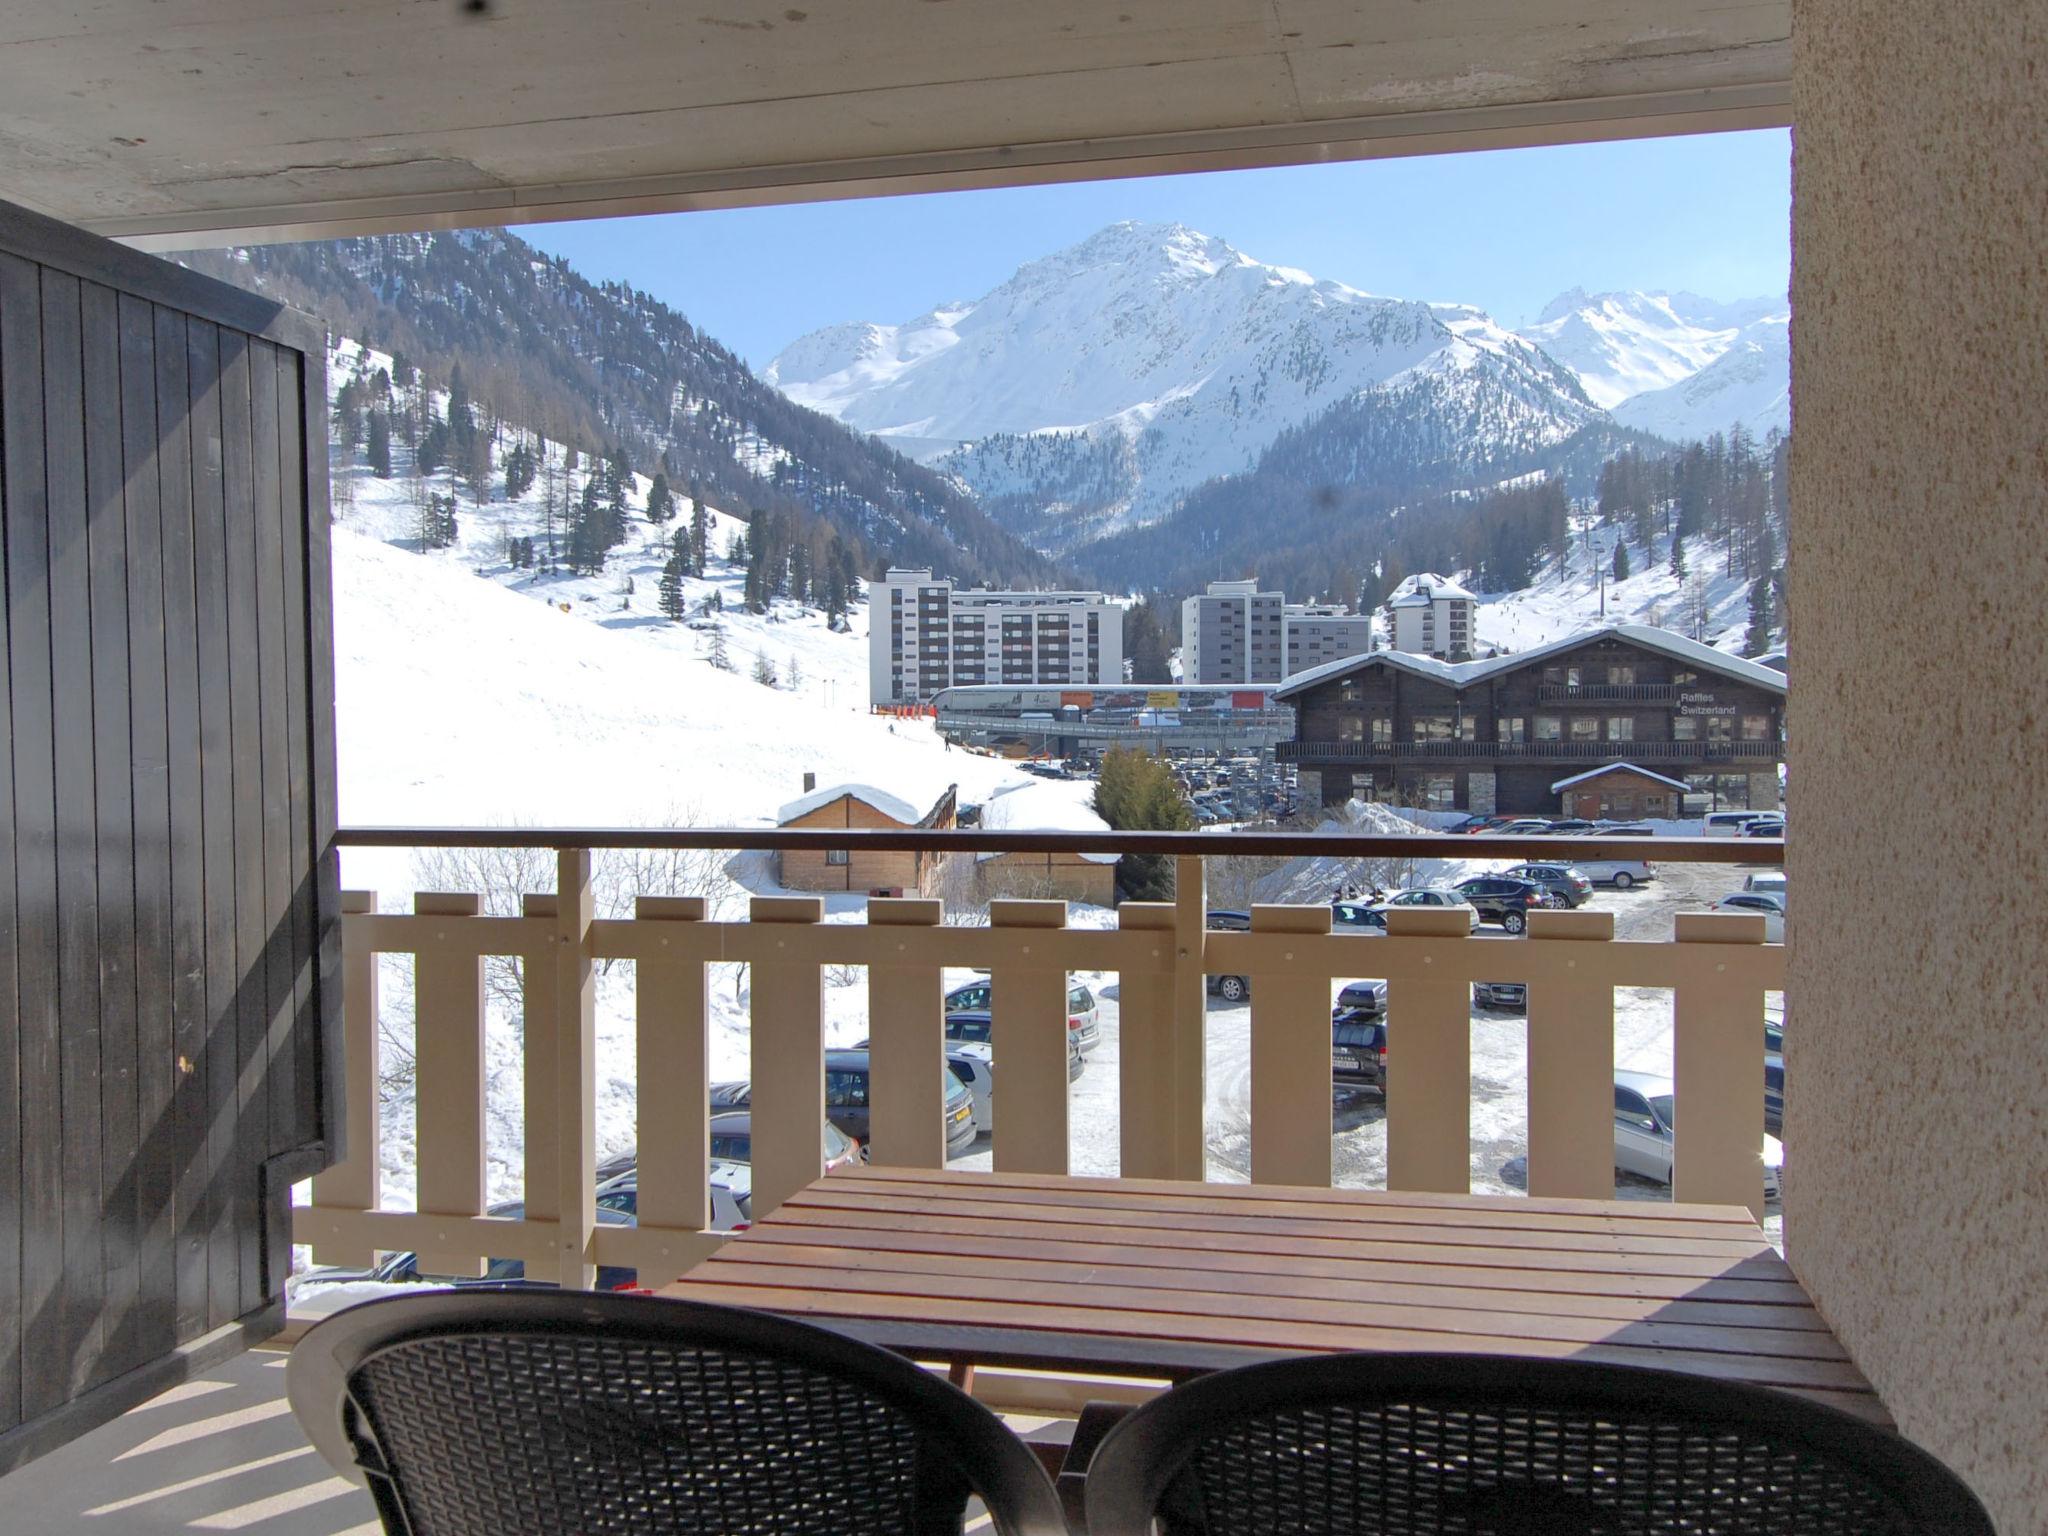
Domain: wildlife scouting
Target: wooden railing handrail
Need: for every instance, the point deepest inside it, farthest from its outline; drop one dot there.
(1666, 850)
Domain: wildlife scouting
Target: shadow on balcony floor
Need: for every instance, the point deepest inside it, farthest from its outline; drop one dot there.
(221, 1453)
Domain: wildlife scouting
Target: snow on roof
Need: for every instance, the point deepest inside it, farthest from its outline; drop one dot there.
(1426, 586)
(1461, 674)
(876, 799)
(1594, 773)
(1046, 805)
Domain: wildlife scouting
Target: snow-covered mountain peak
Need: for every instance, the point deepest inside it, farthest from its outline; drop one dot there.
(1635, 343)
(1160, 337)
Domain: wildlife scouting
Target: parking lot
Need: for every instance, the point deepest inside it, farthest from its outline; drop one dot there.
(1642, 1030)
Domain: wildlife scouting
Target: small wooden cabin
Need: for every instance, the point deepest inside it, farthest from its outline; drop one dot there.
(865, 806)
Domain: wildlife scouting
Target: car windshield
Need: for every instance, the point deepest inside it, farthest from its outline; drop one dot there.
(975, 1031)
(1667, 1113)
(836, 1142)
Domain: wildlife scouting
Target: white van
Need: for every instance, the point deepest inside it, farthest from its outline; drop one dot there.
(1729, 823)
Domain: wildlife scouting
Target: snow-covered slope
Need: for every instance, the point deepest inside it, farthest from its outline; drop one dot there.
(1750, 383)
(1708, 602)
(1191, 350)
(1676, 364)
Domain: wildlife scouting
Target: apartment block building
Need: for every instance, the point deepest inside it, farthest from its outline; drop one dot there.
(1325, 632)
(1433, 616)
(925, 635)
(1234, 633)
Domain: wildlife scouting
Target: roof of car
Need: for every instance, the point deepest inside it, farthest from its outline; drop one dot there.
(1650, 1085)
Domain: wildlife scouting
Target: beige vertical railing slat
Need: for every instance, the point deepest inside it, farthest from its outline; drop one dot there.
(672, 1080)
(788, 1012)
(1186, 1063)
(1147, 1124)
(1290, 1057)
(1030, 1039)
(1429, 1062)
(906, 1041)
(1717, 1066)
(353, 1183)
(1571, 1061)
(575, 1070)
(448, 1049)
(541, 1046)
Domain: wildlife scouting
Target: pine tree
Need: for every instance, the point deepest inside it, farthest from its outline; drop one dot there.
(1144, 644)
(380, 445)
(1678, 555)
(764, 670)
(700, 533)
(1621, 568)
(793, 675)
(1757, 640)
(718, 657)
(670, 593)
(661, 501)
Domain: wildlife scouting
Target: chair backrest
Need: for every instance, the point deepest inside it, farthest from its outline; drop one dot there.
(591, 1413)
(1346, 1445)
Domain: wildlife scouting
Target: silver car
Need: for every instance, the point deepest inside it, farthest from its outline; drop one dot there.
(1645, 1120)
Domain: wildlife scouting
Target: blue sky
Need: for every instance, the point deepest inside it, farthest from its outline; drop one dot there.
(1506, 230)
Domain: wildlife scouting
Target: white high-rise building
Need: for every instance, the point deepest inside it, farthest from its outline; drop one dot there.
(1234, 633)
(1433, 616)
(924, 635)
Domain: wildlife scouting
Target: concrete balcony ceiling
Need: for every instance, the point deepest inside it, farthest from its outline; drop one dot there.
(192, 121)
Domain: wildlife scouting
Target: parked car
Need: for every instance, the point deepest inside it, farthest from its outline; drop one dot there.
(1498, 899)
(970, 1064)
(1764, 826)
(1473, 824)
(1619, 873)
(1430, 896)
(846, 1100)
(1368, 996)
(1572, 826)
(1774, 1075)
(732, 1195)
(1523, 826)
(1360, 917)
(1507, 996)
(1761, 903)
(1358, 1048)
(1728, 823)
(1084, 1014)
(1645, 1121)
(1232, 989)
(1564, 884)
(1770, 882)
(978, 1028)
(732, 1141)
(1623, 829)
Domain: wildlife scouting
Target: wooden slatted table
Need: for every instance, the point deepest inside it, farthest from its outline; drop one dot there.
(1170, 1280)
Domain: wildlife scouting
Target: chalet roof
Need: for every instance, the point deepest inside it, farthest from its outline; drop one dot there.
(1057, 805)
(889, 805)
(1594, 773)
(1462, 674)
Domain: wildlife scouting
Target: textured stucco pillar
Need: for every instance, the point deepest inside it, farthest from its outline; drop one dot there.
(1917, 1119)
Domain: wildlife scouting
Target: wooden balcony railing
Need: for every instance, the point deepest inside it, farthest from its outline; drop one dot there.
(1717, 965)
(1616, 693)
(1566, 751)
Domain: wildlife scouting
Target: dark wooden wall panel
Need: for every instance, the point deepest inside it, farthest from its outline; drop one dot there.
(169, 915)
(10, 1019)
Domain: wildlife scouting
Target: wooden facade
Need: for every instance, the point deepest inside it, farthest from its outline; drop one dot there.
(169, 923)
(866, 869)
(1620, 793)
(1494, 736)
(1048, 876)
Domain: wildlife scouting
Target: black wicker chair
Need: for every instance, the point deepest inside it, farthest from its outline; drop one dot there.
(572, 1414)
(1413, 1445)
